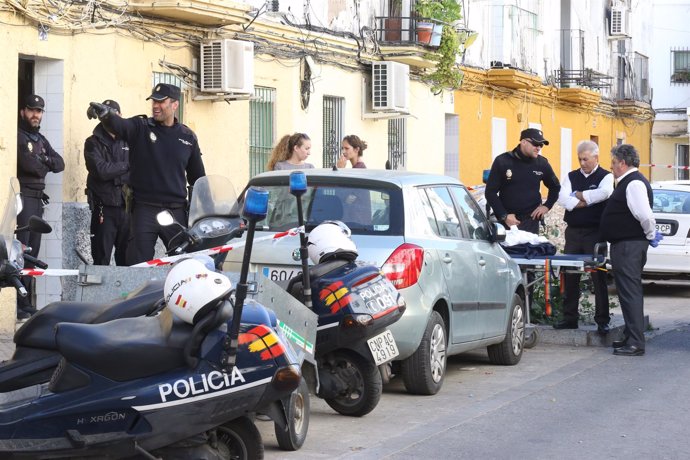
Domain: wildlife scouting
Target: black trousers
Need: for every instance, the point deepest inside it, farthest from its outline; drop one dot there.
(582, 241)
(628, 259)
(33, 206)
(109, 229)
(144, 230)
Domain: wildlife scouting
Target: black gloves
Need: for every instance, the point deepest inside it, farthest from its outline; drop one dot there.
(97, 110)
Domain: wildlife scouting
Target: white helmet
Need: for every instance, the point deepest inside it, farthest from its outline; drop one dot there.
(191, 289)
(331, 239)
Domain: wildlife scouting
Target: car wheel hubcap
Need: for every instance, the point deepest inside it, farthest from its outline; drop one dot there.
(517, 330)
(438, 353)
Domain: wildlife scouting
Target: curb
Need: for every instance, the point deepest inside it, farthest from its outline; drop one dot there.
(585, 336)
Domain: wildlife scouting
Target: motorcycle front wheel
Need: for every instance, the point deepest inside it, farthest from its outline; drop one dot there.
(239, 439)
(362, 384)
(298, 420)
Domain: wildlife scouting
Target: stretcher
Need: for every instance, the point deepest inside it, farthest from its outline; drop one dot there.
(544, 268)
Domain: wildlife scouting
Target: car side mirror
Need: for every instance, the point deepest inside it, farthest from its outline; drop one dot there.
(499, 233)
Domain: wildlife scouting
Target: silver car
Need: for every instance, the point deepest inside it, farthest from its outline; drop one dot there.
(432, 240)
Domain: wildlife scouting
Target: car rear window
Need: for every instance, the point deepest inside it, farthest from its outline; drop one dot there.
(671, 202)
(366, 210)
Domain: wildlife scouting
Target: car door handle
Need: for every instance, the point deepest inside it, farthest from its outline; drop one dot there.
(447, 259)
(482, 262)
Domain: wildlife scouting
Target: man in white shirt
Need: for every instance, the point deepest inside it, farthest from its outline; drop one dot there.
(629, 225)
(583, 194)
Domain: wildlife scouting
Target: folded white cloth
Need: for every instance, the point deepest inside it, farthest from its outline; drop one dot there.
(515, 237)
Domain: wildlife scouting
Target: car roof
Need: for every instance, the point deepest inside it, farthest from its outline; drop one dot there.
(395, 177)
(683, 185)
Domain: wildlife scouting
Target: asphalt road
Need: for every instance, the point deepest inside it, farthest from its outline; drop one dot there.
(559, 402)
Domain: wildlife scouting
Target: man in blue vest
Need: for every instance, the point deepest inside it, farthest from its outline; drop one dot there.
(583, 194)
(629, 225)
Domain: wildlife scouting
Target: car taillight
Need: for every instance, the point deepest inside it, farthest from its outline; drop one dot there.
(404, 266)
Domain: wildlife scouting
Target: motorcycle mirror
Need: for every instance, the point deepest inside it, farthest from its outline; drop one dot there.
(38, 225)
(255, 204)
(298, 183)
(165, 218)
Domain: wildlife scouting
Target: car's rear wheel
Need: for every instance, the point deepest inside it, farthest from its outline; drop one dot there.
(423, 372)
(509, 352)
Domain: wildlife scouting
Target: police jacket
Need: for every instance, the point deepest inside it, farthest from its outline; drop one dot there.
(162, 159)
(107, 160)
(35, 158)
(513, 186)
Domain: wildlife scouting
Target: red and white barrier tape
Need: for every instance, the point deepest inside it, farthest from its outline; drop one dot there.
(218, 249)
(684, 168)
(48, 272)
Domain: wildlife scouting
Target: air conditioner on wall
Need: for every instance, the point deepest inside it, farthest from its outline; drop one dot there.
(390, 85)
(227, 66)
(619, 21)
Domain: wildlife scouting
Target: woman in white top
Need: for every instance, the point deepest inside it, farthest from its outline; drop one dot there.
(291, 153)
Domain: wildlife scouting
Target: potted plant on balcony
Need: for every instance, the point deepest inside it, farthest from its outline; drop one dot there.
(446, 13)
(393, 23)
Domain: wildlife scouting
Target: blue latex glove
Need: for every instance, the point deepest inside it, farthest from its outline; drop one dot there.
(654, 242)
(573, 193)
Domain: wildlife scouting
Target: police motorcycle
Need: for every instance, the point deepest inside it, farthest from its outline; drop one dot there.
(355, 304)
(35, 356)
(175, 385)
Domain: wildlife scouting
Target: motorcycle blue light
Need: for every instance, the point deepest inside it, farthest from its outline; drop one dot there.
(255, 203)
(298, 183)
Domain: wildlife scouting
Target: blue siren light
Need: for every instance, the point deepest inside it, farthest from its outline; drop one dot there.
(255, 203)
(298, 183)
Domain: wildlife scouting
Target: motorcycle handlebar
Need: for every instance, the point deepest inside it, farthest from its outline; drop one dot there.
(36, 262)
(15, 281)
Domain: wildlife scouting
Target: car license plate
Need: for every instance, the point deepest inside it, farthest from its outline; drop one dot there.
(383, 347)
(664, 229)
(280, 273)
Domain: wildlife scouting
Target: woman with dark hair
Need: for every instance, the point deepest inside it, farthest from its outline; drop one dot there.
(291, 152)
(352, 149)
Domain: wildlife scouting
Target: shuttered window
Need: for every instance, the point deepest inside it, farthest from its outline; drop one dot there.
(261, 128)
(333, 114)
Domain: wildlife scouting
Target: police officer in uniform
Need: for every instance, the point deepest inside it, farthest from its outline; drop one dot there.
(512, 188)
(584, 192)
(107, 160)
(164, 158)
(35, 159)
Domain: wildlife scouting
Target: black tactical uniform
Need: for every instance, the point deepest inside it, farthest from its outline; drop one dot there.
(35, 159)
(107, 160)
(163, 160)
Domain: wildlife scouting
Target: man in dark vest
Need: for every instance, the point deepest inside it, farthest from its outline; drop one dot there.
(513, 186)
(35, 159)
(629, 225)
(583, 194)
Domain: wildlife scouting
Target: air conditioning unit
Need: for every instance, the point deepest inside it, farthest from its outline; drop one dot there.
(227, 66)
(619, 20)
(390, 84)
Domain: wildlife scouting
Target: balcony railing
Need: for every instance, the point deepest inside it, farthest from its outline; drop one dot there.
(588, 78)
(408, 30)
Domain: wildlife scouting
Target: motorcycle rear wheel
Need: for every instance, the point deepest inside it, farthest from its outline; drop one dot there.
(298, 420)
(364, 385)
(239, 439)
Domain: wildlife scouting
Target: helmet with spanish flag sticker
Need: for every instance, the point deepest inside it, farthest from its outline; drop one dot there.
(192, 290)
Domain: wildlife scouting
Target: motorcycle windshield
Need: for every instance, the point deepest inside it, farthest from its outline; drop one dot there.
(212, 196)
(13, 206)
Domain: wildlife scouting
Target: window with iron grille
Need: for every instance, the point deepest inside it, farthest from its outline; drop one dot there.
(160, 77)
(397, 143)
(261, 128)
(333, 115)
(680, 66)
